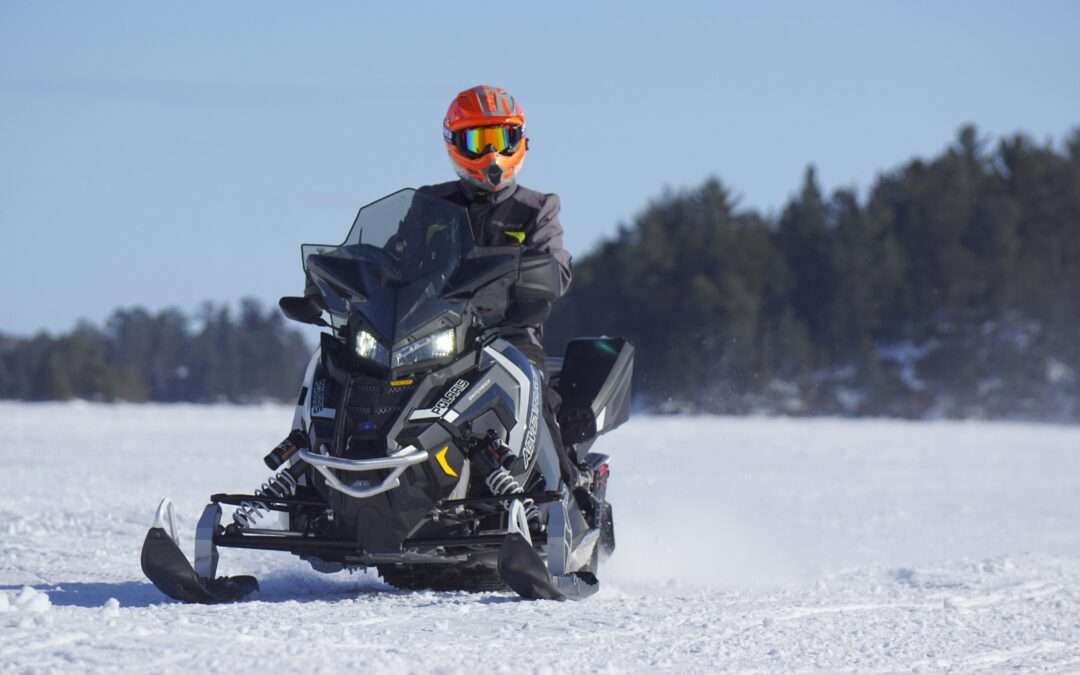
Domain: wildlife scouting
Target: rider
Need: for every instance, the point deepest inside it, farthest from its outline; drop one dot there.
(484, 130)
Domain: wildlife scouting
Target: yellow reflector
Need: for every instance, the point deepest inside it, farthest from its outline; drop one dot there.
(516, 235)
(403, 382)
(440, 456)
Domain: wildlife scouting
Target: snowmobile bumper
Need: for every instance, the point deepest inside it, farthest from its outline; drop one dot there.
(326, 465)
(168, 568)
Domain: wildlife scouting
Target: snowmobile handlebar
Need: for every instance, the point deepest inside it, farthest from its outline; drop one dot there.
(398, 463)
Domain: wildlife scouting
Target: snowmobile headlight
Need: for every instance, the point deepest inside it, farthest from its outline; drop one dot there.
(435, 346)
(367, 347)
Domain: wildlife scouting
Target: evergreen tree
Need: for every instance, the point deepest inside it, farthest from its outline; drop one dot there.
(804, 239)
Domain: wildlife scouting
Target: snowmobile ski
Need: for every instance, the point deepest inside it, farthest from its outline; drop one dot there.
(168, 568)
(524, 571)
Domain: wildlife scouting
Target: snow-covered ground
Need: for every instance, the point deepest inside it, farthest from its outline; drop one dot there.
(743, 545)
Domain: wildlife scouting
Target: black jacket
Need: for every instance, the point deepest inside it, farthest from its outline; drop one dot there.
(517, 210)
(513, 215)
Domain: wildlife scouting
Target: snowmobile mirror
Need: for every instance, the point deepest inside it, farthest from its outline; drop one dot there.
(304, 310)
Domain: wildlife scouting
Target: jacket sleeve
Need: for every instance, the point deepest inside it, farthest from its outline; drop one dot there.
(547, 237)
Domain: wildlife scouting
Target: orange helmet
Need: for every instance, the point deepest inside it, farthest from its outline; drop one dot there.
(484, 130)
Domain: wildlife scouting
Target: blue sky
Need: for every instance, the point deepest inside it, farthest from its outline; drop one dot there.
(164, 154)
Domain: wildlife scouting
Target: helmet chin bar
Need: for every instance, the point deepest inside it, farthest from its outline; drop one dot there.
(485, 181)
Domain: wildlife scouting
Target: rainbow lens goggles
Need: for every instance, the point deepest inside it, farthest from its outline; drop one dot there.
(478, 141)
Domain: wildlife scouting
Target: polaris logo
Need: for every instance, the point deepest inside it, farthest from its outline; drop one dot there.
(452, 394)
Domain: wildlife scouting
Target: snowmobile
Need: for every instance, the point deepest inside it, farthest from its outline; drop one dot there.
(422, 444)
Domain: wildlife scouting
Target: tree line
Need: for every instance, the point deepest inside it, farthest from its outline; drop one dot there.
(951, 288)
(242, 356)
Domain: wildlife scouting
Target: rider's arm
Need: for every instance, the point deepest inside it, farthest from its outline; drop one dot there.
(547, 237)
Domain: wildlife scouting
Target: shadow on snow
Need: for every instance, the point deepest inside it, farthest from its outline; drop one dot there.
(274, 589)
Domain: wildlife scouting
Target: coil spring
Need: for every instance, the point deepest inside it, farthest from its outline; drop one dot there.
(280, 486)
(501, 482)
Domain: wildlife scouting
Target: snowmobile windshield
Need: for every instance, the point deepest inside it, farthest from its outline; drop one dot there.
(393, 269)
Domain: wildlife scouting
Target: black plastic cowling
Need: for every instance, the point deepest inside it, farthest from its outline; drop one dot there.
(595, 387)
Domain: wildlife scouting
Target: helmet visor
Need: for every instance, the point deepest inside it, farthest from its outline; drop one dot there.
(478, 141)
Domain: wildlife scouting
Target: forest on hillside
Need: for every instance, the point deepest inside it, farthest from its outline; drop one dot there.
(952, 288)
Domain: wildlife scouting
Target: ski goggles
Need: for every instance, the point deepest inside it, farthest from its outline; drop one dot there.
(475, 141)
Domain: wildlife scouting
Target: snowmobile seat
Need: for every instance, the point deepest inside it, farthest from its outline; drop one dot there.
(594, 384)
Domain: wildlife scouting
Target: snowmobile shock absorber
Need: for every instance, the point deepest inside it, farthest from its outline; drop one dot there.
(281, 485)
(491, 453)
(501, 482)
